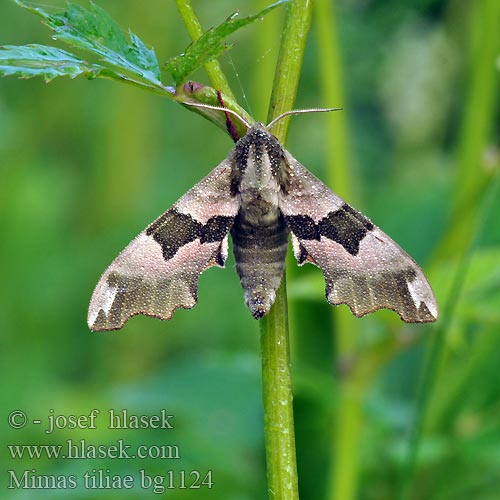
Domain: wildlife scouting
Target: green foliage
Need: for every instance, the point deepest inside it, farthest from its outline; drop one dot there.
(39, 60)
(209, 46)
(95, 30)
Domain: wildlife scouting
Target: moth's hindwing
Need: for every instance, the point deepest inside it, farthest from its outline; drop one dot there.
(158, 271)
(362, 266)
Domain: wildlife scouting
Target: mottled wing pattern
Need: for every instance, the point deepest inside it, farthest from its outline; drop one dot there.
(363, 267)
(158, 271)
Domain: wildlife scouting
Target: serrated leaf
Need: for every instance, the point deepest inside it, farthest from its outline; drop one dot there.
(95, 30)
(209, 45)
(29, 61)
(144, 56)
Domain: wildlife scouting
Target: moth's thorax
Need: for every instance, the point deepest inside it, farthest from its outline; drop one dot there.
(260, 172)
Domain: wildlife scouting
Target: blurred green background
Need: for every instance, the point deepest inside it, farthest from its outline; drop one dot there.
(85, 166)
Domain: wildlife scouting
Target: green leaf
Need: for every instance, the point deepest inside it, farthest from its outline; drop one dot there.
(39, 60)
(209, 45)
(95, 30)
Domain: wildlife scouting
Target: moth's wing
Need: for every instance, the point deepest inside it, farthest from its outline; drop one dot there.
(363, 267)
(158, 271)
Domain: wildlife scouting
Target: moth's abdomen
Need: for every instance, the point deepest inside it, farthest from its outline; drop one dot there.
(260, 253)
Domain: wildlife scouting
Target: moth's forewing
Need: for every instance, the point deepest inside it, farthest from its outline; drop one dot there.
(158, 271)
(362, 266)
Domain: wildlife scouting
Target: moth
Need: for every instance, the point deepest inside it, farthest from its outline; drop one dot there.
(260, 194)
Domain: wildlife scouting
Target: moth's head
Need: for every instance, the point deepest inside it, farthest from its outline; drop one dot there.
(256, 145)
(258, 133)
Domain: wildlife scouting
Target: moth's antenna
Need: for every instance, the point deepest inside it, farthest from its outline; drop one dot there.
(219, 108)
(298, 112)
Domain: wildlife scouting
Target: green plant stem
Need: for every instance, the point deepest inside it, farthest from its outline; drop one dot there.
(483, 38)
(282, 479)
(332, 91)
(286, 78)
(351, 386)
(275, 344)
(437, 343)
(262, 77)
(470, 205)
(195, 30)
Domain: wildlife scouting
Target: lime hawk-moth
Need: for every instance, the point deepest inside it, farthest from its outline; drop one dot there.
(260, 194)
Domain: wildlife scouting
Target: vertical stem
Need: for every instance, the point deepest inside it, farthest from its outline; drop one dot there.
(332, 90)
(480, 115)
(437, 344)
(352, 386)
(262, 77)
(473, 196)
(282, 479)
(275, 344)
(286, 79)
(195, 30)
